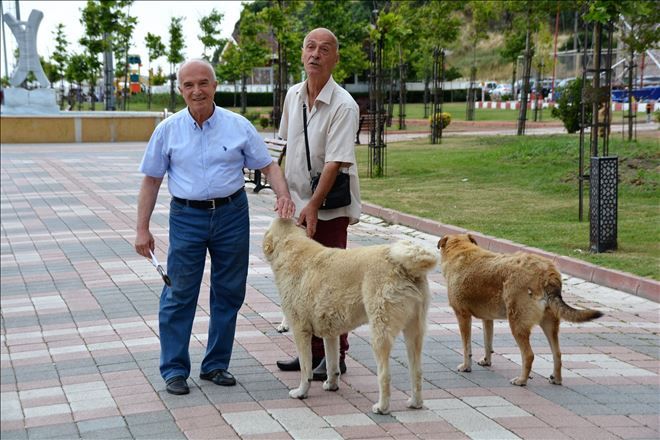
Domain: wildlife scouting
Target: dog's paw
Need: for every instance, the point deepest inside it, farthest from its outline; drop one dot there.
(464, 368)
(283, 327)
(378, 409)
(298, 394)
(553, 380)
(330, 386)
(519, 381)
(484, 362)
(414, 403)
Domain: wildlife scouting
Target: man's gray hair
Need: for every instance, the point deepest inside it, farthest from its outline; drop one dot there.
(195, 60)
(334, 37)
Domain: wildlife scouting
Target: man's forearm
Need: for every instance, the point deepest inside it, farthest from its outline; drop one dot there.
(147, 201)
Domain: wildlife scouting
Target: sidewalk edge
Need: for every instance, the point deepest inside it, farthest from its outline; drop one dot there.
(615, 279)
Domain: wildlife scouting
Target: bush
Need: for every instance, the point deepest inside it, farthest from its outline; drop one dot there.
(445, 119)
(568, 106)
(656, 116)
(264, 122)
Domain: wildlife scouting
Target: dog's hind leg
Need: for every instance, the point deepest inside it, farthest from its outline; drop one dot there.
(414, 336)
(550, 326)
(521, 335)
(465, 327)
(381, 344)
(303, 341)
(331, 347)
(488, 342)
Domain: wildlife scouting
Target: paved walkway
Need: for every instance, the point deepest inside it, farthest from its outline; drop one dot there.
(79, 355)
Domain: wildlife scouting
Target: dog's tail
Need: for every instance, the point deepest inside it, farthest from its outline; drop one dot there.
(415, 259)
(560, 308)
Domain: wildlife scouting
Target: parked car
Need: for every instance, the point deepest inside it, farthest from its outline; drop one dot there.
(500, 91)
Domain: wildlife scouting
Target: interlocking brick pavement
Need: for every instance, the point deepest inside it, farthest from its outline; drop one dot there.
(79, 354)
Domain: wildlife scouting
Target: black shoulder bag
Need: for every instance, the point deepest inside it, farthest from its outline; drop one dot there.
(340, 193)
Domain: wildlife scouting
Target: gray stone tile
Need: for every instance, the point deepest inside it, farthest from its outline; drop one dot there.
(63, 430)
(100, 424)
(148, 418)
(160, 429)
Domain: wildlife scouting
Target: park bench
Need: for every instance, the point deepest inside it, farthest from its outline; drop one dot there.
(368, 122)
(277, 150)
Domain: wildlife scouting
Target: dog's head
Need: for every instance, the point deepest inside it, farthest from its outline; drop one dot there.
(278, 231)
(453, 241)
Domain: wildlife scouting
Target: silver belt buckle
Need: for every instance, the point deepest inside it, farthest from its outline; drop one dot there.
(212, 203)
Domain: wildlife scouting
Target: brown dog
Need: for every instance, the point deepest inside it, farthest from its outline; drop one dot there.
(523, 288)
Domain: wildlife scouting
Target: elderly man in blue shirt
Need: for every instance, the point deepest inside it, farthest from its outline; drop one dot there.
(203, 150)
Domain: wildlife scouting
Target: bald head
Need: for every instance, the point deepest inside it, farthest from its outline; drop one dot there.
(196, 61)
(322, 32)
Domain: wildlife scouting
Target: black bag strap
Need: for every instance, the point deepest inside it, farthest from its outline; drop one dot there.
(309, 162)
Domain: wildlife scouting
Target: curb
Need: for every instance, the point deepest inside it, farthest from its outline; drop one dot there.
(615, 279)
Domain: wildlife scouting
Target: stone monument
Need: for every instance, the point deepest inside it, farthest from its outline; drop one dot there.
(16, 99)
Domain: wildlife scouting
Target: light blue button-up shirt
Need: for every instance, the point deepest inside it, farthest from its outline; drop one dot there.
(204, 162)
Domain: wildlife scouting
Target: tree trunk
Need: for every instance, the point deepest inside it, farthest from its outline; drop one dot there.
(243, 94)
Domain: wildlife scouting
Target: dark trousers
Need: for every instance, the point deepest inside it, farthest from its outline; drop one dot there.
(331, 233)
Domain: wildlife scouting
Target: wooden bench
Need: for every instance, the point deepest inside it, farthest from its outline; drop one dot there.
(368, 122)
(277, 150)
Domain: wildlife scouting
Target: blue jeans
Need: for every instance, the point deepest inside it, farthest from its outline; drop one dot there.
(225, 233)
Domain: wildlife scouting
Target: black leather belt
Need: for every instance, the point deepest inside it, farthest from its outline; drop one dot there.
(208, 204)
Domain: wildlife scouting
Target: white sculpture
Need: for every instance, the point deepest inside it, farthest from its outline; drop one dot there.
(18, 100)
(28, 59)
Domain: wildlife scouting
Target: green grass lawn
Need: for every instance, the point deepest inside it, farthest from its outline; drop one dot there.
(524, 189)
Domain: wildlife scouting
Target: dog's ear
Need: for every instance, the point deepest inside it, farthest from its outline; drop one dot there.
(471, 238)
(442, 242)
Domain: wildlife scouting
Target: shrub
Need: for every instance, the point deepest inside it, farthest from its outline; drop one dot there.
(445, 119)
(656, 116)
(568, 106)
(264, 122)
(252, 116)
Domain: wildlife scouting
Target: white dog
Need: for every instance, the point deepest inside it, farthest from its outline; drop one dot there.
(327, 292)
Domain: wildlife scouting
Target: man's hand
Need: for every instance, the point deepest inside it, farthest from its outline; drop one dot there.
(144, 242)
(308, 218)
(284, 207)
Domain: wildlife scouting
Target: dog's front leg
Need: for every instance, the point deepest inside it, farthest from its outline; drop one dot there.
(488, 342)
(304, 345)
(284, 326)
(331, 347)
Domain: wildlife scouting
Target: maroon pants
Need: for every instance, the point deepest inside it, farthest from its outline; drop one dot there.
(331, 233)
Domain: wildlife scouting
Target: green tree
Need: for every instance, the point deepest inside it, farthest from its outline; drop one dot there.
(210, 36)
(252, 51)
(175, 54)
(159, 77)
(283, 19)
(156, 49)
(77, 72)
(60, 58)
(107, 28)
(639, 32)
(568, 107)
(228, 69)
